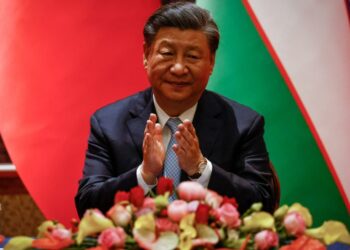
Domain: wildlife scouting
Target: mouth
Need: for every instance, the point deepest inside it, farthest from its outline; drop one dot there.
(178, 83)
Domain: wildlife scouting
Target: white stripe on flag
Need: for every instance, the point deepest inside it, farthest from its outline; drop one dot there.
(312, 40)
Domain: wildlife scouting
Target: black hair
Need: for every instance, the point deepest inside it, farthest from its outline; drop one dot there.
(182, 15)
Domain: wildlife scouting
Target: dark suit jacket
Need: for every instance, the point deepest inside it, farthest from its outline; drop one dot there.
(230, 136)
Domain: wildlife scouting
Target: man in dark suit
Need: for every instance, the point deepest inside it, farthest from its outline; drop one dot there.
(177, 128)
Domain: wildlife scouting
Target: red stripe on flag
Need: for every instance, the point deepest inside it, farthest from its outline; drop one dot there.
(347, 8)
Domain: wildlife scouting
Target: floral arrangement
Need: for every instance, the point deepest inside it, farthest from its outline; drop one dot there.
(199, 219)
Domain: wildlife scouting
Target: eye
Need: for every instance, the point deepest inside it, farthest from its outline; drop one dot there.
(193, 56)
(166, 52)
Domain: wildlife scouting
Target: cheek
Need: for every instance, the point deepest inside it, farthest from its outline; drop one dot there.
(158, 62)
(201, 72)
(157, 69)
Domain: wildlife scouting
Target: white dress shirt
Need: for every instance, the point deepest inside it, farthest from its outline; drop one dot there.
(162, 120)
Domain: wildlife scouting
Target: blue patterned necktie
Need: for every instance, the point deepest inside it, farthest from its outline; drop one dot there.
(171, 165)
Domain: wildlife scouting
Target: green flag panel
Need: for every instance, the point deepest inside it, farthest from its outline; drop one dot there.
(246, 72)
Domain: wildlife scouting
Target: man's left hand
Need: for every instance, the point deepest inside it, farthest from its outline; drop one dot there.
(187, 148)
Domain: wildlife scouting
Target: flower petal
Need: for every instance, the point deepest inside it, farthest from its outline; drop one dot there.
(19, 243)
(330, 232)
(46, 226)
(144, 230)
(206, 234)
(162, 201)
(166, 241)
(258, 221)
(281, 212)
(92, 222)
(303, 211)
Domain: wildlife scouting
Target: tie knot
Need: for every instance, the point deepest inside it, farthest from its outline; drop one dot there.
(172, 123)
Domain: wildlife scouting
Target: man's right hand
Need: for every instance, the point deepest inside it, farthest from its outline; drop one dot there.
(153, 151)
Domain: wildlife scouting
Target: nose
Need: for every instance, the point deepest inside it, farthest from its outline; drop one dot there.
(179, 68)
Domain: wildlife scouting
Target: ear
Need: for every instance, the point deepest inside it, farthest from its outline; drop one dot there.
(144, 61)
(212, 62)
(145, 55)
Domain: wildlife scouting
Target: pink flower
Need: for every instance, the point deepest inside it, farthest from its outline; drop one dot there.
(54, 238)
(230, 200)
(112, 238)
(265, 239)
(148, 206)
(294, 224)
(164, 225)
(192, 206)
(213, 199)
(177, 209)
(190, 190)
(228, 215)
(61, 233)
(143, 211)
(51, 243)
(149, 203)
(119, 215)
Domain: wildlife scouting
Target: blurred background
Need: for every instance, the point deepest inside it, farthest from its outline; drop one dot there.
(62, 60)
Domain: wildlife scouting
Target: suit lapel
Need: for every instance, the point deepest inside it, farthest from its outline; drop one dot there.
(207, 122)
(139, 115)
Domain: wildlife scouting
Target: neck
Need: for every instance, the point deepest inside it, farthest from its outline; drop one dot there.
(174, 109)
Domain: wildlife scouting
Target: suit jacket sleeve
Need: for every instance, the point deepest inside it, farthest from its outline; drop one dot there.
(100, 181)
(249, 179)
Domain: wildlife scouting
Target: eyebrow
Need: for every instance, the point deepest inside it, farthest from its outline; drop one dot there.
(169, 43)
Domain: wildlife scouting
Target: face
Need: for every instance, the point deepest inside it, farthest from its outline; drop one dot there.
(178, 65)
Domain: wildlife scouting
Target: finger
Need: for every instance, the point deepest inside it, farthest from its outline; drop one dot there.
(175, 147)
(185, 133)
(179, 151)
(145, 145)
(147, 152)
(182, 141)
(153, 117)
(150, 123)
(150, 127)
(190, 127)
(150, 143)
(158, 129)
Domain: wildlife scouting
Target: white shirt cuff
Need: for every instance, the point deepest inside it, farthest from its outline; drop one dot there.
(141, 182)
(205, 177)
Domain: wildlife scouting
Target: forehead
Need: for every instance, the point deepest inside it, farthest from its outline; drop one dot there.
(185, 38)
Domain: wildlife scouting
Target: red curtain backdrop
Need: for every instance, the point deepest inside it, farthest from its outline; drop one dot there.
(60, 61)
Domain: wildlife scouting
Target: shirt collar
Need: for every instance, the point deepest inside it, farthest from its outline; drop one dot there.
(163, 116)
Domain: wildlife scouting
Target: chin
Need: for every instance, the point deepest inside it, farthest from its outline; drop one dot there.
(179, 97)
